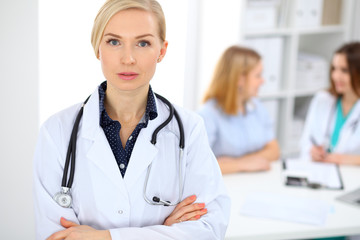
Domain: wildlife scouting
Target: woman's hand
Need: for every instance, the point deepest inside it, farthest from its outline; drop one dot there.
(75, 231)
(318, 153)
(186, 210)
(247, 163)
(254, 164)
(333, 158)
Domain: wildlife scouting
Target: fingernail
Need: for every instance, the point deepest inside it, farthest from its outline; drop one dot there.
(193, 197)
(197, 216)
(204, 210)
(201, 205)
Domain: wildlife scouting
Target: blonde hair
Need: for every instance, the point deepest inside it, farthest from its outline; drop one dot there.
(111, 7)
(233, 63)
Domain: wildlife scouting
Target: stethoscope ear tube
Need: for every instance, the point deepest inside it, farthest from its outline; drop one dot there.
(171, 114)
(181, 129)
(72, 150)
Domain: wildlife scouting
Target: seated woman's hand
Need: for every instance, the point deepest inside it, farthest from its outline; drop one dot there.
(318, 153)
(186, 210)
(75, 231)
(256, 164)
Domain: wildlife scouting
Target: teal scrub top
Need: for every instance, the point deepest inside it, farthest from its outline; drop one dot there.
(339, 123)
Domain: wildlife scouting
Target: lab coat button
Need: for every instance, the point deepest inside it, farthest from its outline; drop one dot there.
(122, 166)
(120, 212)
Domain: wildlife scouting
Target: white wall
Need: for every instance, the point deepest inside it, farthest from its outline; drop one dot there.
(19, 115)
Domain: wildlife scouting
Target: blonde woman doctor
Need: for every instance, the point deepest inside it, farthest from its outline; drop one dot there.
(332, 128)
(112, 193)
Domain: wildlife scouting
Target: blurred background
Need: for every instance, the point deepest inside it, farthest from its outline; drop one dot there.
(45, 48)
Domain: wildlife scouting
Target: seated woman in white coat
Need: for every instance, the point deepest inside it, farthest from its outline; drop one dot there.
(239, 128)
(332, 129)
(129, 181)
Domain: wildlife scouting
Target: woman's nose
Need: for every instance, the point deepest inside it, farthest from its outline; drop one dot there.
(128, 57)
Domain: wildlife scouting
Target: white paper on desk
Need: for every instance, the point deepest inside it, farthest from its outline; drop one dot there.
(317, 172)
(285, 207)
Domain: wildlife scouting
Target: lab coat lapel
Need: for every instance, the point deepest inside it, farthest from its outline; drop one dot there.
(102, 156)
(144, 151)
(141, 157)
(99, 152)
(348, 128)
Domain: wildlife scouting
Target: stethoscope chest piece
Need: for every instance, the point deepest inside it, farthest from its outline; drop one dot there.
(63, 197)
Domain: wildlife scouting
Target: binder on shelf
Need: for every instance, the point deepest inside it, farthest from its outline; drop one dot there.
(261, 14)
(284, 10)
(332, 12)
(271, 51)
(307, 13)
(260, 18)
(263, 3)
(312, 72)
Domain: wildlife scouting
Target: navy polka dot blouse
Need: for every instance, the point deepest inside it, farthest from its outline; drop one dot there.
(112, 129)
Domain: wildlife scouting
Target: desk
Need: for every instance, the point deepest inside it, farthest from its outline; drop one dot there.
(344, 220)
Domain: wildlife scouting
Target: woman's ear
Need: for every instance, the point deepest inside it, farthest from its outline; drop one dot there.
(163, 50)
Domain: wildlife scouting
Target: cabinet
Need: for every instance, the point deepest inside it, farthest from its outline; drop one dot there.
(286, 93)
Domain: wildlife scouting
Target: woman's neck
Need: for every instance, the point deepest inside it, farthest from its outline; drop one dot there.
(127, 107)
(348, 100)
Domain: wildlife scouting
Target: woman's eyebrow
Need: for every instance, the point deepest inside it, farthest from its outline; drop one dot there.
(140, 36)
(145, 35)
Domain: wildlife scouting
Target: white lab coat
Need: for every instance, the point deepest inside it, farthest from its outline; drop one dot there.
(321, 119)
(104, 200)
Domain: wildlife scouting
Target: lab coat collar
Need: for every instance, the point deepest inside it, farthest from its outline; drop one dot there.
(101, 154)
(354, 115)
(349, 127)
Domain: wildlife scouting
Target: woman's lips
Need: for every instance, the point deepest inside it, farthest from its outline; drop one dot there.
(128, 75)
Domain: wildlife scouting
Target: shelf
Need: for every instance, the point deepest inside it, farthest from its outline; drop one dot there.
(322, 30)
(273, 95)
(293, 31)
(269, 32)
(307, 92)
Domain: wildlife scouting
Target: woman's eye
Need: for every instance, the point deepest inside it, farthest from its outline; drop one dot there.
(143, 44)
(344, 70)
(113, 42)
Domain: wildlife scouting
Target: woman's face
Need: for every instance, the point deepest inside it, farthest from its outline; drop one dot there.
(130, 49)
(254, 80)
(340, 74)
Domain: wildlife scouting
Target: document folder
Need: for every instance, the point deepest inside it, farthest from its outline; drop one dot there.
(311, 174)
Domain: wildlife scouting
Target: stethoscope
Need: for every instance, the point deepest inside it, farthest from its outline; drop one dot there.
(64, 199)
